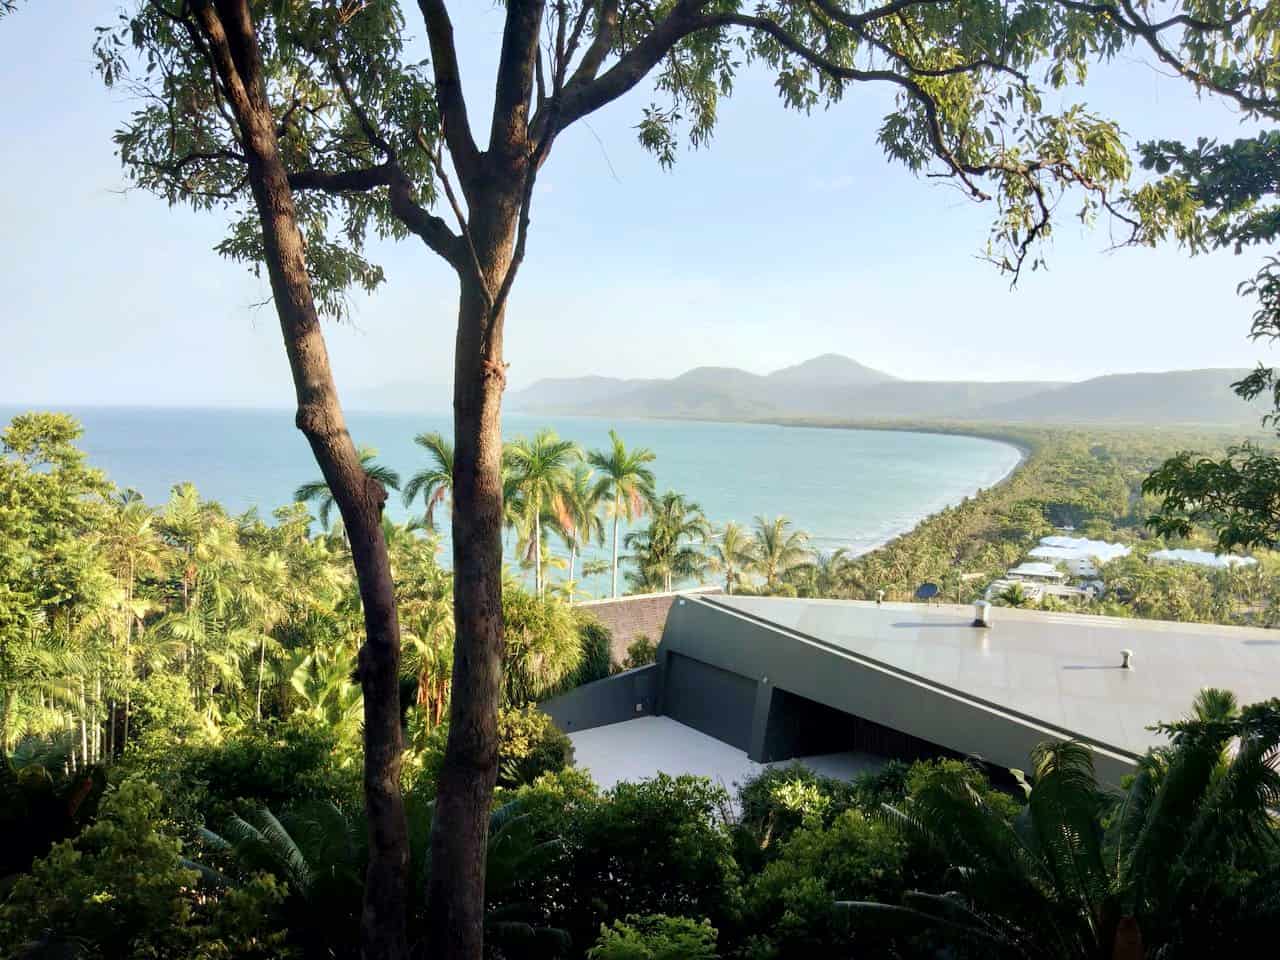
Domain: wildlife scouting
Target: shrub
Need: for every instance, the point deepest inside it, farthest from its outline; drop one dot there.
(791, 903)
(273, 764)
(657, 846)
(543, 647)
(640, 653)
(530, 744)
(122, 890)
(655, 937)
(773, 805)
(163, 712)
(597, 650)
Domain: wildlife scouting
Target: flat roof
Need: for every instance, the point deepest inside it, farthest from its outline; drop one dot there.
(639, 749)
(1202, 558)
(1062, 670)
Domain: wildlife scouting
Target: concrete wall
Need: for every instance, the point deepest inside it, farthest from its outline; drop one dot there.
(716, 701)
(623, 696)
(629, 617)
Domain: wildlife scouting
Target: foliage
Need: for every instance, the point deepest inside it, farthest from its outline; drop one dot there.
(543, 645)
(1082, 871)
(122, 890)
(626, 485)
(434, 482)
(655, 937)
(42, 803)
(597, 650)
(529, 745)
(273, 764)
(317, 491)
(794, 897)
(668, 549)
(1237, 496)
(537, 473)
(656, 846)
(641, 652)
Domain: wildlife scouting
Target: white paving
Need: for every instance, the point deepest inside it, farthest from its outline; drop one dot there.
(638, 749)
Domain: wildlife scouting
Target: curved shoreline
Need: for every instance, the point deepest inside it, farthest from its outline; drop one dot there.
(1025, 444)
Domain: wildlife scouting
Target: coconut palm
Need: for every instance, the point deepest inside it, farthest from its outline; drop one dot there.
(827, 575)
(1014, 595)
(778, 551)
(669, 547)
(317, 491)
(580, 520)
(626, 483)
(731, 554)
(435, 481)
(540, 470)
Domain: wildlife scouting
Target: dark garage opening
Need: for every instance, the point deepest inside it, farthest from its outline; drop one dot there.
(800, 727)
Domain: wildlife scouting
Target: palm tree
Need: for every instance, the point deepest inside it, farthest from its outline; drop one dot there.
(667, 548)
(435, 481)
(777, 551)
(540, 473)
(626, 484)
(731, 553)
(1084, 874)
(1014, 596)
(580, 519)
(828, 575)
(317, 491)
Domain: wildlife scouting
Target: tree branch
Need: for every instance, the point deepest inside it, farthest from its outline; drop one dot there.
(1128, 19)
(598, 49)
(509, 130)
(448, 83)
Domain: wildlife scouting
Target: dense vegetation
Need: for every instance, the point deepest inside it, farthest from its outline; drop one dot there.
(180, 750)
(1093, 482)
(313, 126)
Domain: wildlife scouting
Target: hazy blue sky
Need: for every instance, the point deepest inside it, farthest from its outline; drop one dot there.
(790, 236)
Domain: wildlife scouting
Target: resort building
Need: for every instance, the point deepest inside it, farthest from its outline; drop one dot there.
(743, 681)
(1032, 570)
(1201, 558)
(1080, 556)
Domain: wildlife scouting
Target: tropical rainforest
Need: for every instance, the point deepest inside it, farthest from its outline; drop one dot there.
(181, 737)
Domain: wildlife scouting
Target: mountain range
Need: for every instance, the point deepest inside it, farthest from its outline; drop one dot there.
(834, 387)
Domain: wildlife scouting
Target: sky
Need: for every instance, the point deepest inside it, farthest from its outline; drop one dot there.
(789, 236)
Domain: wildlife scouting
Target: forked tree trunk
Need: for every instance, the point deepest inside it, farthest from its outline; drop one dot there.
(229, 33)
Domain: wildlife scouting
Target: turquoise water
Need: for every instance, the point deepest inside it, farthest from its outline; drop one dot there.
(847, 488)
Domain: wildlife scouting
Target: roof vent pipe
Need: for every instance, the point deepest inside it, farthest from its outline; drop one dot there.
(1126, 659)
(982, 614)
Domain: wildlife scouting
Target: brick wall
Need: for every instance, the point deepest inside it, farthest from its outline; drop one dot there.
(629, 617)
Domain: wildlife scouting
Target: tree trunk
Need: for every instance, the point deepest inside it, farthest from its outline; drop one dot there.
(459, 832)
(573, 562)
(262, 661)
(537, 555)
(615, 549)
(229, 30)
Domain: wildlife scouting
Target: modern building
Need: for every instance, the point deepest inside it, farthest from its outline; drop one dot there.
(1044, 572)
(780, 678)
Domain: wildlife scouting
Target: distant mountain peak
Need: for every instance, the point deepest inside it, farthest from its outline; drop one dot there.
(831, 369)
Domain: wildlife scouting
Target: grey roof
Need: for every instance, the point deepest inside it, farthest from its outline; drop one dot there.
(1060, 669)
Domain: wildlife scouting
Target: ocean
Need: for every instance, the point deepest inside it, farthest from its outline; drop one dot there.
(846, 488)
